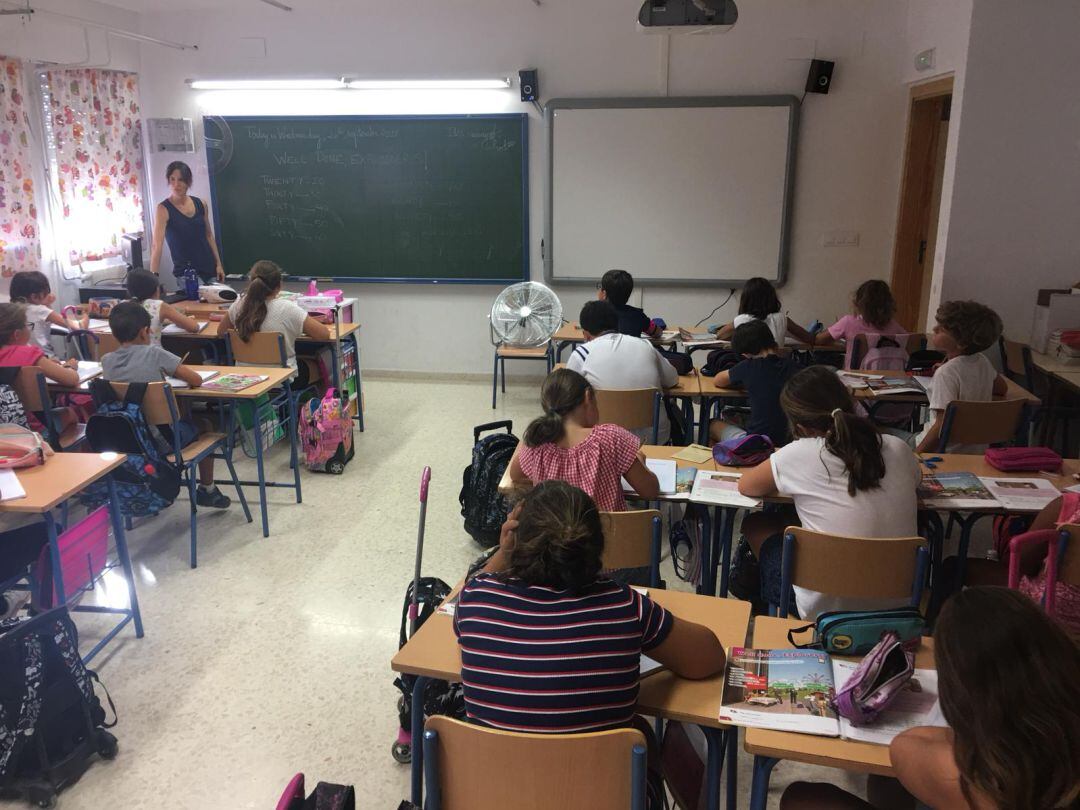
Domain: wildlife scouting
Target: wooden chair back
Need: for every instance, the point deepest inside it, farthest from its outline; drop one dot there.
(32, 390)
(1016, 362)
(852, 567)
(981, 422)
(633, 408)
(632, 540)
(908, 342)
(469, 767)
(104, 342)
(263, 349)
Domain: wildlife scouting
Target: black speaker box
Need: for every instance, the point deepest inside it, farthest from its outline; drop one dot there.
(819, 80)
(530, 86)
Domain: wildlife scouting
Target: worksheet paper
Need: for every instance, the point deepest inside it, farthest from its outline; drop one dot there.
(10, 487)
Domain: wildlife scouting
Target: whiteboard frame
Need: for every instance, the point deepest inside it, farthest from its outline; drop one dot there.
(794, 108)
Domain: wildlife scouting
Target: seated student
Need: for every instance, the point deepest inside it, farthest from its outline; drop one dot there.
(145, 287)
(964, 330)
(21, 537)
(17, 351)
(615, 288)
(843, 476)
(758, 302)
(609, 359)
(137, 361)
(260, 310)
(567, 444)
(762, 373)
(1007, 677)
(32, 288)
(550, 645)
(873, 313)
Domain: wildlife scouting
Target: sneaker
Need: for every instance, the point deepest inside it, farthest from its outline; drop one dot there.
(212, 497)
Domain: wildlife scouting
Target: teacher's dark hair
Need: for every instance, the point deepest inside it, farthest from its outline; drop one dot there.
(179, 166)
(1007, 677)
(265, 280)
(562, 392)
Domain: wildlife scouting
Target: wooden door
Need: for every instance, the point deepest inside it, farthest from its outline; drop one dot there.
(920, 197)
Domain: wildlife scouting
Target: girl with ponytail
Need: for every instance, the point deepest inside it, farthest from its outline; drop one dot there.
(567, 444)
(260, 310)
(844, 477)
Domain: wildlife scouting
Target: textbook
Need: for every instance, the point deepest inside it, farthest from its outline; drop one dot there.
(720, 488)
(1021, 494)
(959, 490)
(893, 385)
(697, 337)
(178, 383)
(792, 690)
(177, 329)
(234, 382)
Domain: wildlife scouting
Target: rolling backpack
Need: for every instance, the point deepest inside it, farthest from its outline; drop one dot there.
(52, 724)
(483, 508)
(146, 482)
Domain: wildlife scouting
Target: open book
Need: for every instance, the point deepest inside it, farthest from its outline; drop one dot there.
(720, 488)
(234, 382)
(177, 383)
(88, 369)
(792, 690)
(1021, 494)
(893, 385)
(959, 490)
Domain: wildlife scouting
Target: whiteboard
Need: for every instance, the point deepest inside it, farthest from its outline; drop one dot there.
(676, 191)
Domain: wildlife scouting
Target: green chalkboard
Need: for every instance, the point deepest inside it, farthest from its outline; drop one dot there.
(360, 198)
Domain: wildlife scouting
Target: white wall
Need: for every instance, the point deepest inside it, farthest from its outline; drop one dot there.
(48, 39)
(1016, 193)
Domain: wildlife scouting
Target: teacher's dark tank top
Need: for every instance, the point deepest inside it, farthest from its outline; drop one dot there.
(186, 237)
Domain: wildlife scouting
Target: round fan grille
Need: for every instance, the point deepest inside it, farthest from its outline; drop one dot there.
(525, 315)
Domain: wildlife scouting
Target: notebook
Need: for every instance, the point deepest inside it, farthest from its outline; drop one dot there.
(664, 470)
(206, 375)
(10, 487)
(177, 329)
(88, 369)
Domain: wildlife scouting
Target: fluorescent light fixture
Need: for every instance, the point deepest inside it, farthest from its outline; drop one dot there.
(428, 84)
(266, 84)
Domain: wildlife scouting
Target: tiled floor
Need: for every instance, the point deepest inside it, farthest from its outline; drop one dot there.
(273, 656)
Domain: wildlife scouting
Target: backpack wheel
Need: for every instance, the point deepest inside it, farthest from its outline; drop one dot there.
(401, 752)
(335, 468)
(43, 796)
(107, 746)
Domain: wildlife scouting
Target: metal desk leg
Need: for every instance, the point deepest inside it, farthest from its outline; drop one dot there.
(417, 744)
(759, 791)
(714, 765)
(725, 548)
(257, 425)
(704, 583)
(732, 766)
(125, 558)
(719, 519)
(294, 437)
(57, 567)
(359, 385)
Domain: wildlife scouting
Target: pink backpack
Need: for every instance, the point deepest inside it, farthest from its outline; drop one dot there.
(884, 353)
(326, 434)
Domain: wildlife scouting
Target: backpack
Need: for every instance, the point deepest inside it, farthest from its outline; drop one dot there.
(483, 508)
(326, 434)
(745, 451)
(51, 721)
(145, 483)
(11, 407)
(883, 353)
(720, 360)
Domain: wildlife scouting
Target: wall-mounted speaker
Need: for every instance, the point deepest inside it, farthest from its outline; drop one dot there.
(819, 80)
(530, 85)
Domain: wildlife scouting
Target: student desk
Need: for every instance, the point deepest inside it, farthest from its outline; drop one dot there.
(769, 747)
(275, 377)
(570, 334)
(62, 476)
(433, 653)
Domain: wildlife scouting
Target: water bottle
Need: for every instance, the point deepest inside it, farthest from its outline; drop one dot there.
(312, 288)
(191, 284)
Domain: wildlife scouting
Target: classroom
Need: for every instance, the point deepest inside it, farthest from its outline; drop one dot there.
(710, 319)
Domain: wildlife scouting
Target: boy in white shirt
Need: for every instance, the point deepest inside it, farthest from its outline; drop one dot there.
(611, 360)
(964, 330)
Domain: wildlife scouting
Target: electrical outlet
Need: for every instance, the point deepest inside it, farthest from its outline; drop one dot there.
(828, 239)
(840, 239)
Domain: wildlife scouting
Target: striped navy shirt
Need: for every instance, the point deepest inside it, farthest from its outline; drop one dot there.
(543, 660)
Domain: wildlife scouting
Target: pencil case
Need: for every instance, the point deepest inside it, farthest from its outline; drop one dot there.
(1008, 459)
(878, 679)
(855, 632)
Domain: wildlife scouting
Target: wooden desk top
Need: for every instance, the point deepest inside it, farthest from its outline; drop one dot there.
(434, 652)
(690, 385)
(569, 333)
(771, 633)
(1052, 365)
(61, 476)
(275, 377)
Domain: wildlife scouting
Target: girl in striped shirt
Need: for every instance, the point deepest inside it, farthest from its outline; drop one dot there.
(548, 645)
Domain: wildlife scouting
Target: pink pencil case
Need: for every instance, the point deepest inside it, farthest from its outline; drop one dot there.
(1008, 459)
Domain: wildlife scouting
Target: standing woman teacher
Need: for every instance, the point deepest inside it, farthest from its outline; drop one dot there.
(181, 221)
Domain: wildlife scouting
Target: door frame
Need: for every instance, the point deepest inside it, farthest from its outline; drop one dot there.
(916, 185)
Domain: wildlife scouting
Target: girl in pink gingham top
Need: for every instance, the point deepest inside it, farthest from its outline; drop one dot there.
(567, 444)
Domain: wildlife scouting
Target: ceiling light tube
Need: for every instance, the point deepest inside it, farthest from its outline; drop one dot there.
(428, 84)
(266, 84)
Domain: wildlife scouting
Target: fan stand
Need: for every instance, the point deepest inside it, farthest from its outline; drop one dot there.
(504, 353)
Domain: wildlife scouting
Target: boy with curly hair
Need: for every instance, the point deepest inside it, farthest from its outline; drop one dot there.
(964, 330)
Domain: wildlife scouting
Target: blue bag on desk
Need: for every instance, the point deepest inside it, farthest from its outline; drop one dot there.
(856, 632)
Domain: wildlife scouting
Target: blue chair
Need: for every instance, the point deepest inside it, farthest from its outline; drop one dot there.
(469, 767)
(852, 567)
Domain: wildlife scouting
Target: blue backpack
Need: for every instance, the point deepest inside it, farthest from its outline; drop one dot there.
(145, 483)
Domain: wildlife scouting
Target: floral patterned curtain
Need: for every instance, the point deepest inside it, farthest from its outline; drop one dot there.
(20, 248)
(95, 135)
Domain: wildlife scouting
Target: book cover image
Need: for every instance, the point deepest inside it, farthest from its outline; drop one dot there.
(684, 480)
(233, 382)
(946, 487)
(790, 690)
